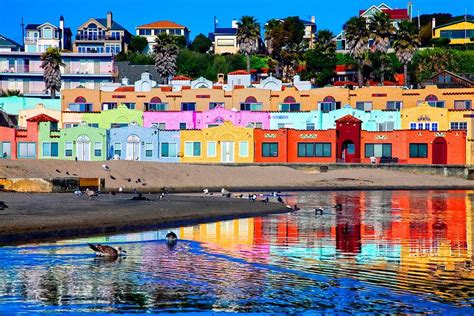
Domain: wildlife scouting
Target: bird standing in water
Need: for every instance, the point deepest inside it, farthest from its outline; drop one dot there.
(171, 237)
(107, 251)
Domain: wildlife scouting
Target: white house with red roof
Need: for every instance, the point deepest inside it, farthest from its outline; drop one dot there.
(151, 30)
(396, 16)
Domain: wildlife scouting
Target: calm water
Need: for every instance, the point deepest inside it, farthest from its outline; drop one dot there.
(390, 252)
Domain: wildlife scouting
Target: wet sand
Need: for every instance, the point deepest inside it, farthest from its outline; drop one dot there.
(48, 217)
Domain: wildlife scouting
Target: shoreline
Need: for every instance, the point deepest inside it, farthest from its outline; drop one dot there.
(43, 217)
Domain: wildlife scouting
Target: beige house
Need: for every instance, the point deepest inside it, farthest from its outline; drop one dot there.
(24, 115)
(151, 30)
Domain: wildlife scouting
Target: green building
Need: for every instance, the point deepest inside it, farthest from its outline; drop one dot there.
(119, 117)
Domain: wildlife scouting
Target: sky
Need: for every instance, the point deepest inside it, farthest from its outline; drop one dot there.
(198, 15)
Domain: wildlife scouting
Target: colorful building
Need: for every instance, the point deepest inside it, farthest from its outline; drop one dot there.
(133, 142)
(40, 108)
(40, 37)
(458, 32)
(14, 105)
(84, 143)
(151, 30)
(222, 144)
(169, 142)
(117, 117)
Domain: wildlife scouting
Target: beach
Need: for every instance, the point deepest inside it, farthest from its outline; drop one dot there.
(152, 176)
(51, 216)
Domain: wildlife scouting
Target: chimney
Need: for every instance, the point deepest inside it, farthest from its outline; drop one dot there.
(410, 10)
(234, 24)
(433, 25)
(109, 20)
(313, 19)
(61, 30)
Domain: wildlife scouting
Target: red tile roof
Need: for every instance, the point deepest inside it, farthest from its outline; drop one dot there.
(180, 77)
(340, 68)
(125, 89)
(166, 89)
(344, 83)
(162, 24)
(238, 72)
(394, 14)
(42, 118)
(348, 119)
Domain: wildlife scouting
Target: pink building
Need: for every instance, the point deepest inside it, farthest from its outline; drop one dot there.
(199, 120)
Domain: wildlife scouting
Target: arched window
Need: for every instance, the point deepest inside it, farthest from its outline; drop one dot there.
(250, 100)
(219, 120)
(289, 100)
(155, 100)
(83, 139)
(431, 97)
(329, 99)
(133, 139)
(92, 26)
(80, 100)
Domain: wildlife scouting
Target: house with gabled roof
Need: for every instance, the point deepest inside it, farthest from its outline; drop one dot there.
(151, 30)
(101, 35)
(8, 45)
(40, 37)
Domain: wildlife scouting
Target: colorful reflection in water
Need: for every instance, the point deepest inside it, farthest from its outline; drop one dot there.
(383, 252)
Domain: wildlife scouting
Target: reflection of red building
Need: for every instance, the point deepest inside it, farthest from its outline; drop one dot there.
(348, 224)
(348, 143)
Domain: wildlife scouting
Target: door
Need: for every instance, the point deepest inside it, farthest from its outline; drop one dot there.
(440, 151)
(348, 152)
(83, 148)
(133, 148)
(227, 151)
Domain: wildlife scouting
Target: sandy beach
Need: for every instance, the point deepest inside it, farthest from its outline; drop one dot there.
(192, 177)
(35, 217)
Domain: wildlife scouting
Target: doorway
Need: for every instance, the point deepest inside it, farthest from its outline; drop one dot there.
(227, 152)
(440, 151)
(83, 148)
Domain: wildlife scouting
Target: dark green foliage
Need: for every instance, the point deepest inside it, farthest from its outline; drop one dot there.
(440, 42)
(201, 44)
(321, 61)
(137, 44)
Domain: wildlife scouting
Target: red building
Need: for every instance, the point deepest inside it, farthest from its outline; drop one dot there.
(348, 143)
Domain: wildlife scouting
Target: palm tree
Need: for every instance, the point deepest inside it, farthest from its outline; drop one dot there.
(269, 27)
(248, 34)
(357, 39)
(406, 42)
(381, 30)
(51, 65)
(165, 53)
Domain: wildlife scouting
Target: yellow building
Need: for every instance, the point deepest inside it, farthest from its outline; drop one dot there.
(459, 32)
(221, 144)
(431, 118)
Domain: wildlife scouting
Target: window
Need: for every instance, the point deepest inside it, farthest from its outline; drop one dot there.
(269, 149)
(364, 106)
(117, 149)
(250, 106)
(394, 105)
(169, 150)
(314, 149)
(462, 104)
(436, 104)
(50, 149)
(188, 106)
(148, 150)
(118, 125)
(97, 149)
(144, 32)
(47, 32)
(68, 149)
(192, 149)
(457, 34)
(418, 150)
(109, 106)
(156, 106)
(213, 105)
(182, 125)
(5, 149)
(160, 126)
(244, 149)
(211, 149)
(310, 126)
(281, 125)
(429, 126)
(26, 150)
(458, 125)
(289, 107)
(327, 106)
(378, 150)
(95, 125)
(385, 126)
(130, 105)
(412, 125)
(80, 107)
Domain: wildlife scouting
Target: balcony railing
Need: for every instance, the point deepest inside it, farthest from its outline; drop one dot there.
(97, 37)
(25, 69)
(29, 40)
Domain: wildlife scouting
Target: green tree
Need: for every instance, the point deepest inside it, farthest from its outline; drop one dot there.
(405, 44)
(201, 44)
(192, 64)
(357, 39)
(321, 61)
(165, 53)
(51, 64)
(269, 27)
(432, 61)
(248, 34)
(381, 30)
(137, 44)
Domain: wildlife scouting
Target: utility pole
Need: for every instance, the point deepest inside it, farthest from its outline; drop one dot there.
(419, 22)
(23, 33)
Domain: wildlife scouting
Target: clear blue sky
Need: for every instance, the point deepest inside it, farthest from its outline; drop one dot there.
(197, 15)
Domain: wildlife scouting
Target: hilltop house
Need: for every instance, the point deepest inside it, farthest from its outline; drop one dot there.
(40, 37)
(151, 30)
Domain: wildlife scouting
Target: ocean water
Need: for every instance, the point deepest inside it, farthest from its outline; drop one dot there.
(383, 252)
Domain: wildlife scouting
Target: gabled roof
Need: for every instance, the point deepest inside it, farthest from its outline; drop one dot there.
(305, 22)
(454, 22)
(348, 119)
(32, 26)
(6, 42)
(394, 14)
(42, 118)
(162, 24)
(125, 89)
(239, 72)
(225, 31)
(115, 25)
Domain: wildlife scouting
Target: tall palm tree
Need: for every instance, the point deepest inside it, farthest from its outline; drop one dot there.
(357, 39)
(381, 31)
(406, 42)
(165, 53)
(248, 34)
(51, 64)
(270, 26)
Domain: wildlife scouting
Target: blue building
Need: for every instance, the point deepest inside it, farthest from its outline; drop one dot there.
(133, 142)
(169, 146)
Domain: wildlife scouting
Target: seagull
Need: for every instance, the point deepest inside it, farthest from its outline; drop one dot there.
(293, 208)
(105, 167)
(90, 193)
(171, 237)
(138, 180)
(67, 172)
(78, 192)
(120, 189)
(3, 206)
(265, 200)
(206, 191)
(224, 192)
(58, 171)
(280, 200)
(162, 196)
(318, 211)
(112, 177)
(128, 179)
(107, 251)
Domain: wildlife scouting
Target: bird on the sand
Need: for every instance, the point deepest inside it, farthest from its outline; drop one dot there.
(90, 193)
(293, 208)
(67, 172)
(206, 191)
(3, 205)
(58, 171)
(128, 180)
(224, 192)
(120, 189)
(139, 180)
(107, 251)
(77, 192)
(162, 196)
(105, 167)
(112, 177)
(171, 237)
(265, 200)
